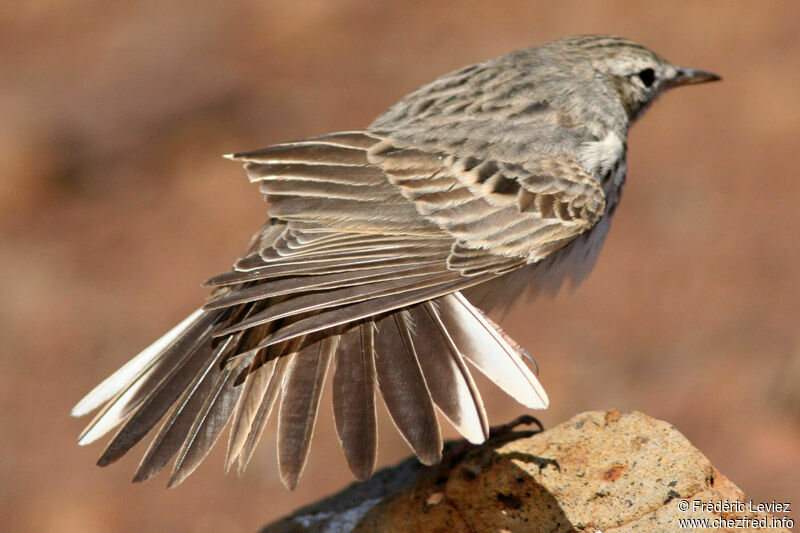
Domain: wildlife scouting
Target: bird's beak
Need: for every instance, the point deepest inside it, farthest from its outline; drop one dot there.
(689, 76)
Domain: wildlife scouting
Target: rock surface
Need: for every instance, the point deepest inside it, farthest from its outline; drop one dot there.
(599, 471)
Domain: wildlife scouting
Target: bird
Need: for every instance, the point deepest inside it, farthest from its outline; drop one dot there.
(382, 252)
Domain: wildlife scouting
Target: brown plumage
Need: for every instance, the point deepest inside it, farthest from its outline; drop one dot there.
(494, 174)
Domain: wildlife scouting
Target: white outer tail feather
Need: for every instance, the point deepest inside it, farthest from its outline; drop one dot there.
(120, 379)
(498, 360)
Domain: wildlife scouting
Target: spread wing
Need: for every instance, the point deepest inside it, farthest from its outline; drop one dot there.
(357, 270)
(354, 208)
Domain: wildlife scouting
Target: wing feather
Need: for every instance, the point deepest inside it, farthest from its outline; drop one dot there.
(334, 266)
(295, 285)
(428, 288)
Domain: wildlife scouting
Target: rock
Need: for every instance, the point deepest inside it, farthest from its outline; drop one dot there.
(599, 471)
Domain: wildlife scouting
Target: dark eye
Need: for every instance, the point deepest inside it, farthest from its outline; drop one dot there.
(648, 76)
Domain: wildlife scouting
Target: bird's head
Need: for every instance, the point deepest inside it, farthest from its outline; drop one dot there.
(636, 73)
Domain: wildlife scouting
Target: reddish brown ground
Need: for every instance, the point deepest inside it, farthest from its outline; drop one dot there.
(115, 204)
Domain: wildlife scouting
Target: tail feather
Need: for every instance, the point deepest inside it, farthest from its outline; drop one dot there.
(175, 429)
(487, 348)
(161, 358)
(403, 388)
(354, 398)
(254, 391)
(123, 377)
(299, 403)
(264, 410)
(449, 381)
(414, 356)
(157, 403)
(206, 428)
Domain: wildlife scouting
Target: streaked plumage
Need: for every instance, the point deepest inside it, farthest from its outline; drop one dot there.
(501, 174)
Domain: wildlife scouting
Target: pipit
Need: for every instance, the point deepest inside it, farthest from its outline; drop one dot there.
(378, 244)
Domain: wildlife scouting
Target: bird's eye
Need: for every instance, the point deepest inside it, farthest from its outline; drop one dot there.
(648, 76)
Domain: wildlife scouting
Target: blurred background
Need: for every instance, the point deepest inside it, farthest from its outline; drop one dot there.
(115, 204)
